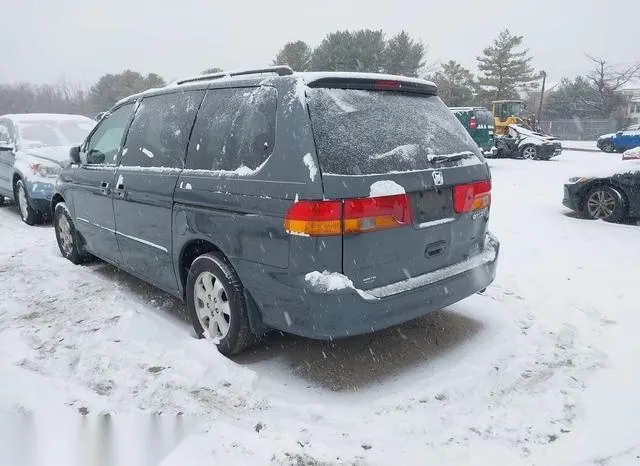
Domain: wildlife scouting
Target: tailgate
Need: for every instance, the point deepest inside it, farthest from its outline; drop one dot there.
(437, 237)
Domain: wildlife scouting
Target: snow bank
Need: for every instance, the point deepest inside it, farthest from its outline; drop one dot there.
(386, 188)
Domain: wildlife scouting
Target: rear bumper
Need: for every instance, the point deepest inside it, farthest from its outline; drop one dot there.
(548, 152)
(294, 305)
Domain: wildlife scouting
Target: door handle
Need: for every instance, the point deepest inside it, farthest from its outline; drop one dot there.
(121, 191)
(104, 187)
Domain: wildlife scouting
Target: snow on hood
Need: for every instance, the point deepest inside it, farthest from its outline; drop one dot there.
(56, 154)
(622, 167)
(527, 132)
(607, 136)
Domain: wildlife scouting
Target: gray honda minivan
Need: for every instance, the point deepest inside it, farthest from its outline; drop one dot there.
(320, 204)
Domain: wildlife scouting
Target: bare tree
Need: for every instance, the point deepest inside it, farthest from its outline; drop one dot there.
(608, 82)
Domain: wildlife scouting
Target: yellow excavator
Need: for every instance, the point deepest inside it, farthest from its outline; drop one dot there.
(510, 112)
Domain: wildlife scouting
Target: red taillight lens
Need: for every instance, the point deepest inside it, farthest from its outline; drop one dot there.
(387, 85)
(470, 197)
(473, 122)
(314, 218)
(330, 218)
(376, 213)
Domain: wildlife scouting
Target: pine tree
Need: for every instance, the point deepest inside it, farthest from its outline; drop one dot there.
(403, 55)
(455, 84)
(297, 55)
(505, 70)
(112, 87)
(350, 51)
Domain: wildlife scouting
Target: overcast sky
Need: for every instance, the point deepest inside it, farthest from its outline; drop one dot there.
(49, 40)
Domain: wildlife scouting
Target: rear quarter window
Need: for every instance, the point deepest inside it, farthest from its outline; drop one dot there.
(234, 130)
(360, 132)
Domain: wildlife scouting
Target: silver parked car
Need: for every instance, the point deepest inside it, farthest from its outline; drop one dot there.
(33, 149)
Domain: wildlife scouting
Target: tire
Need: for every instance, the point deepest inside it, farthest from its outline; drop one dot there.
(27, 212)
(217, 305)
(67, 237)
(608, 147)
(605, 203)
(529, 152)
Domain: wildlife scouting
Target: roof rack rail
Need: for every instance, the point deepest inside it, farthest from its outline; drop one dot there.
(279, 70)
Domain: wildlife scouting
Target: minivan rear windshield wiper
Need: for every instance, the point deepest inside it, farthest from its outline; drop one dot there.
(449, 158)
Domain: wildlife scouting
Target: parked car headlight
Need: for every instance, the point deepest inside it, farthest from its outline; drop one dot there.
(46, 171)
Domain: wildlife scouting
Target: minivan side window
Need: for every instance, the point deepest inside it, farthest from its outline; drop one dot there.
(103, 145)
(235, 128)
(159, 133)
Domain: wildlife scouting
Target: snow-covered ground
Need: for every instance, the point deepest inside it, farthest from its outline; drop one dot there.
(541, 369)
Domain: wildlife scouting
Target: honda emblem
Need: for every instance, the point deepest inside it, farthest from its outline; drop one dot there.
(438, 179)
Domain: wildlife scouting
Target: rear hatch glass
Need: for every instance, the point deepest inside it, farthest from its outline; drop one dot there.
(361, 132)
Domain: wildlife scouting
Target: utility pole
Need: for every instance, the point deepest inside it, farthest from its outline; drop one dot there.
(544, 81)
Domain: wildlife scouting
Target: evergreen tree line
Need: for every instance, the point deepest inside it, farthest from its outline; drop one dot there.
(504, 71)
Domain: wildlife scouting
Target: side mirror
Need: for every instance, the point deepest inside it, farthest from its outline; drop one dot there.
(74, 154)
(6, 146)
(100, 115)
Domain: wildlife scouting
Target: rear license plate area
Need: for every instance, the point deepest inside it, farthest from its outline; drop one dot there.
(432, 205)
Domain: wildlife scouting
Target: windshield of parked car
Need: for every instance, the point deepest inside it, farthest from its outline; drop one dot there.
(371, 132)
(46, 133)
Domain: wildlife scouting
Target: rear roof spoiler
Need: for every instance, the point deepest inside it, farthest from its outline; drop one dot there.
(369, 82)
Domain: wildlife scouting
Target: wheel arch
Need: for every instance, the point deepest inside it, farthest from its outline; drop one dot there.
(194, 248)
(55, 200)
(600, 183)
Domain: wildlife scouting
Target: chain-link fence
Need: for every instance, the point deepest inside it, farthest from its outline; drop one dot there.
(578, 129)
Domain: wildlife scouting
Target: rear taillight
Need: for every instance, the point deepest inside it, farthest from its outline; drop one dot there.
(473, 122)
(351, 216)
(473, 196)
(376, 213)
(314, 218)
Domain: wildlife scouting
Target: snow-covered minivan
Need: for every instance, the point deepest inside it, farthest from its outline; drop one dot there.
(321, 204)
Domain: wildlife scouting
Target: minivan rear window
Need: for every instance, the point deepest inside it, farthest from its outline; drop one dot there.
(360, 132)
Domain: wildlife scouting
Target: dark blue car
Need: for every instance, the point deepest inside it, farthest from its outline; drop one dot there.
(321, 204)
(621, 141)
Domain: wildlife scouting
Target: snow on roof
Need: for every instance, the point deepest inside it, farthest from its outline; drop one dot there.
(311, 76)
(53, 117)
(139, 94)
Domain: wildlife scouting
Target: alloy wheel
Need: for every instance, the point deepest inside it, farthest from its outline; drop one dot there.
(212, 305)
(64, 232)
(601, 204)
